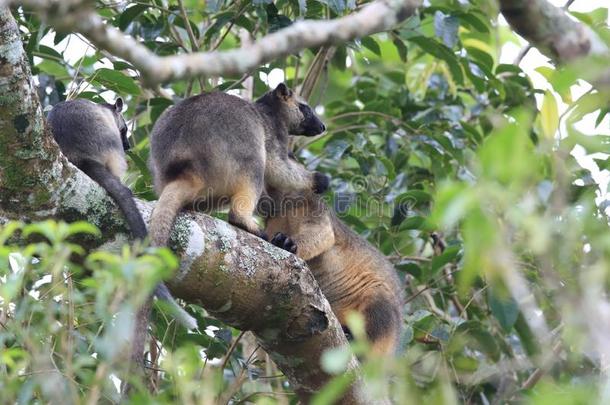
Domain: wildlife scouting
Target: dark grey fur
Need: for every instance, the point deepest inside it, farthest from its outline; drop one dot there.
(93, 137)
(81, 129)
(224, 145)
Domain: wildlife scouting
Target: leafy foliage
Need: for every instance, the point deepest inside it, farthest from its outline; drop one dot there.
(439, 155)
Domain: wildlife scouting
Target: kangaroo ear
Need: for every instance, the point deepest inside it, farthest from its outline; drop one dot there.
(118, 105)
(283, 92)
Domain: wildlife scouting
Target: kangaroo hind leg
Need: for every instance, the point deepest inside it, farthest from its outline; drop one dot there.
(243, 204)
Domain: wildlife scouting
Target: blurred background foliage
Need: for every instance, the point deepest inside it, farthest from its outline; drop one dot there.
(455, 165)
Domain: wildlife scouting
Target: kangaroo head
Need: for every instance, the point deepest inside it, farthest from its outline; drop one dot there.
(300, 118)
(117, 113)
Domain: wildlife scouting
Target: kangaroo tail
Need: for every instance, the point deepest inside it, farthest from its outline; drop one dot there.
(383, 324)
(122, 195)
(174, 196)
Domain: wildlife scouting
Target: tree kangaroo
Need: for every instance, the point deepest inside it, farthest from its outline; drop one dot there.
(218, 149)
(94, 138)
(352, 273)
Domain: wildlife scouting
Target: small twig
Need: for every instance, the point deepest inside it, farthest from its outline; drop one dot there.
(187, 26)
(427, 287)
(240, 81)
(297, 65)
(232, 390)
(397, 258)
(539, 372)
(230, 27)
(231, 349)
(315, 71)
(95, 389)
(471, 300)
(192, 39)
(432, 305)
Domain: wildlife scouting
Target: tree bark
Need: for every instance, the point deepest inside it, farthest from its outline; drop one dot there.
(554, 33)
(30, 166)
(240, 279)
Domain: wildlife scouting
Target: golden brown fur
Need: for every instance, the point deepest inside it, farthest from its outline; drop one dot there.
(352, 273)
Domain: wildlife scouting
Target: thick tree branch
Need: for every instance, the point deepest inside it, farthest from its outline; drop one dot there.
(28, 163)
(239, 278)
(554, 33)
(71, 16)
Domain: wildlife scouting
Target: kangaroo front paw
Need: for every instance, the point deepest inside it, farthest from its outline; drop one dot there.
(320, 182)
(283, 241)
(263, 236)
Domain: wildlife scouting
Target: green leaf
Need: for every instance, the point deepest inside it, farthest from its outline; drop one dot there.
(7, 230)
(482, 57)
(278, 21)
(411, 268)
(45, 51)
(372, 45)
(141, 165)
(600, 117)
(588, 103)
(245, 22)
(546, 71)
(414, 196)
(441, 260)
(53, 68)
(414, 222)
(599, 16)
(221, 20)
(503, 307)
(331, 392)
(474, 21)
(440, 51)
(528, 340)
(49, 229)
(116, 81)
(506, 68)
(130, 14)
(549, 115)
(83, 227)
(338, 6)
(120, 65)
(401, 48)
(389, 167)
(481, 338)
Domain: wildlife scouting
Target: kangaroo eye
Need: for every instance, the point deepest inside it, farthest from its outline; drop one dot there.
(304, 109)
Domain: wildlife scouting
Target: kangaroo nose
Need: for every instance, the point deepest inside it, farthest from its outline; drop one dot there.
(323, 127)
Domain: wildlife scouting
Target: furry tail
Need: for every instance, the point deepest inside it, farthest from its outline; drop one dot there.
(173, 197)
(383, 324)
(122, 195)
